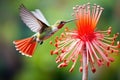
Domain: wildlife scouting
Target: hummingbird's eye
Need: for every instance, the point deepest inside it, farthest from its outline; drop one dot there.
(62, 22)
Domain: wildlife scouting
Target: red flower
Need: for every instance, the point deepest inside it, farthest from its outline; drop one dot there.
(86, 44)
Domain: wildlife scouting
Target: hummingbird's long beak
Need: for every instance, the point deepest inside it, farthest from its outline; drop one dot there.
(70, 20)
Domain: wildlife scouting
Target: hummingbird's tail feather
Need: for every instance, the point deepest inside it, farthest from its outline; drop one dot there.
(26, 46)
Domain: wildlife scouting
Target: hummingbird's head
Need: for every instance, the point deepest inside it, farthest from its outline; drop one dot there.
(60, 24)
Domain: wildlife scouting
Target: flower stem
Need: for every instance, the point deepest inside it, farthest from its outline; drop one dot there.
(85, 66)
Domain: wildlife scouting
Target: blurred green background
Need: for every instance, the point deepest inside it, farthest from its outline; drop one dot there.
(42, 66)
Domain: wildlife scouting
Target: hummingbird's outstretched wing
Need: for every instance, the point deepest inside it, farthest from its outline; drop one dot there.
(38, 14)
(32, 20)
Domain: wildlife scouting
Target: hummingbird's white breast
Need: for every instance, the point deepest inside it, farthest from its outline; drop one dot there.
(54, 29)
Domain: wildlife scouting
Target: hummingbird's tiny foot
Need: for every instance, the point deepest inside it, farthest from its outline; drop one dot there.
(40, 42)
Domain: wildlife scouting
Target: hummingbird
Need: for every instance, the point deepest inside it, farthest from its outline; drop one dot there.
(38, 24)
